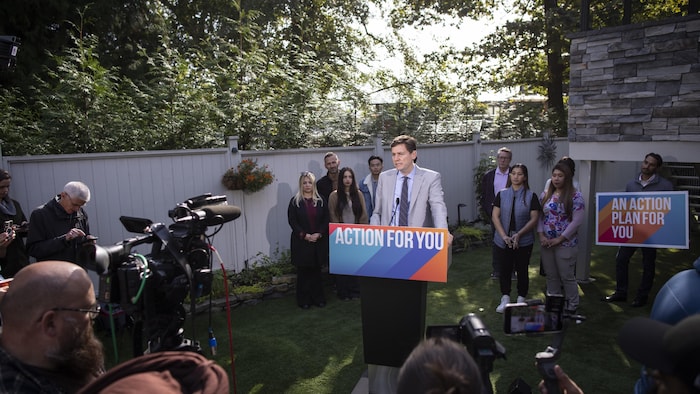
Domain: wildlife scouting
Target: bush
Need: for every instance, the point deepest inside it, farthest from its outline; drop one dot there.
(263, 269)
(470, 236)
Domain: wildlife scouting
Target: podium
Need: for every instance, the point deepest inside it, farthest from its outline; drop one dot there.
(394, 266)
(393, 318)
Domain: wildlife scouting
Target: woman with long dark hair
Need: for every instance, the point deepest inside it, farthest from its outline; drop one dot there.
(562, 214)
(516, 210)
(308, 217)
(347, 205)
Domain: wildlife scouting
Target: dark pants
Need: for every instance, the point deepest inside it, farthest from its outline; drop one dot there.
(510, 260)
(622, 262)
(309, 286)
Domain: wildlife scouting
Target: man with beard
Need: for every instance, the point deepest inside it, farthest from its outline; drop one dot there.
(648, 180)
(329, 182)
(47, 343)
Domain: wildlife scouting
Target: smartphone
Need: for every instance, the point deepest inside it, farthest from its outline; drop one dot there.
(8, 227)
(523, 318)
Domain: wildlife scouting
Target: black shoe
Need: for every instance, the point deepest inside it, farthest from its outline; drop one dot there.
(305, 306)
(614, 297)
(321, 304)
(639, 302)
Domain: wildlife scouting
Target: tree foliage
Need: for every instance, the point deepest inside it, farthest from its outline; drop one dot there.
(98, 76)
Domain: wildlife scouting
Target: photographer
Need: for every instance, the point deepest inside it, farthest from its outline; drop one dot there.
(671, 354)
(60, 227)
(13, 255)
(439, 365)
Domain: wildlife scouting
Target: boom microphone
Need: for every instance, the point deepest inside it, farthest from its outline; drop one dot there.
(213, 215)
(393, 214)
(219, 214)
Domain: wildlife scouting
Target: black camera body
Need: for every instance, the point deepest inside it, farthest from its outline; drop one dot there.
(473, 334)
(152, 287)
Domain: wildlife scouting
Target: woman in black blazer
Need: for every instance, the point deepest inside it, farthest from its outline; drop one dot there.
(308, 218)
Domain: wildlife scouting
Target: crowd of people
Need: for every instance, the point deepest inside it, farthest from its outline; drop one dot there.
(47, 343)
(516, 213)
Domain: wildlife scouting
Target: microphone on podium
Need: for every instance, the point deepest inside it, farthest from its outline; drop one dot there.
(393, 214)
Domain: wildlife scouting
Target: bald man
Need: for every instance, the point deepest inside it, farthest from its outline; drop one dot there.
(47, 343)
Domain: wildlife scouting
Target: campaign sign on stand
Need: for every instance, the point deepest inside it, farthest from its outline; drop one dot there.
(648, 219)
(413, 253)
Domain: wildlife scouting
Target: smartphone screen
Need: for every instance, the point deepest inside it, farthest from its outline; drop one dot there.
(530, 319)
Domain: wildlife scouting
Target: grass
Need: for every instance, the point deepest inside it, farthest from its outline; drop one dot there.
(280, 348)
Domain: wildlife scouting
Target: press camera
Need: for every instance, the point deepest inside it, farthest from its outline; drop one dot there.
(473, 334)
(151, 288)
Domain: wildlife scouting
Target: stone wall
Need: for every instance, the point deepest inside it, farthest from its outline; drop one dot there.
(636, 83)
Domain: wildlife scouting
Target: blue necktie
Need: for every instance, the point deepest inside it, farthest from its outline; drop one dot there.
(403, 204)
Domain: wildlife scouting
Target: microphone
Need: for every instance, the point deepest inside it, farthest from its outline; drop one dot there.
(393, 214)
(219, 214)
(213, 215)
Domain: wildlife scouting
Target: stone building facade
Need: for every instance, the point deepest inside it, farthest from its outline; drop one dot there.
(634, 89)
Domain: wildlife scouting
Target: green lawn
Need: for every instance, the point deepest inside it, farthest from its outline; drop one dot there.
(280, 348)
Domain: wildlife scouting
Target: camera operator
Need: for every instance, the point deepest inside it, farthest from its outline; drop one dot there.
(60, 227)
(671, 354)
(47, 343)
(13, 253)
(439, 365)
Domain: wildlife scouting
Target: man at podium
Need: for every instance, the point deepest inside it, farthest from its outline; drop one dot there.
(393, 310)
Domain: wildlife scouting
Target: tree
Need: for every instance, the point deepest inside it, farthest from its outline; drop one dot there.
(530, 52)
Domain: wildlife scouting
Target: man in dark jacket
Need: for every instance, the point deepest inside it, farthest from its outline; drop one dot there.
(648, 181)
(48, 344)
(329, 182)
(60, 227)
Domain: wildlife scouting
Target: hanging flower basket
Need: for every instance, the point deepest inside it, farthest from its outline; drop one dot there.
(247, 176)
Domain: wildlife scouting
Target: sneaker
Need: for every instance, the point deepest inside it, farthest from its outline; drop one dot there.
(521, 299)
(502, 306)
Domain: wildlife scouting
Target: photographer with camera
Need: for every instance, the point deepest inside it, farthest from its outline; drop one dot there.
(13, 254)
(60, 227)
(439, 365)
(671, 354)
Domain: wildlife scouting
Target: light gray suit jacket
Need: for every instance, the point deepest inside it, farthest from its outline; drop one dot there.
(427, 208)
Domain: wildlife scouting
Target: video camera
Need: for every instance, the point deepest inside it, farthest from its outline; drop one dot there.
(473, 334)
(151, 288)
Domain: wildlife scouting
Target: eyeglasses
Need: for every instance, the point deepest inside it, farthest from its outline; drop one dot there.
(77, 206)
(94, 312)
